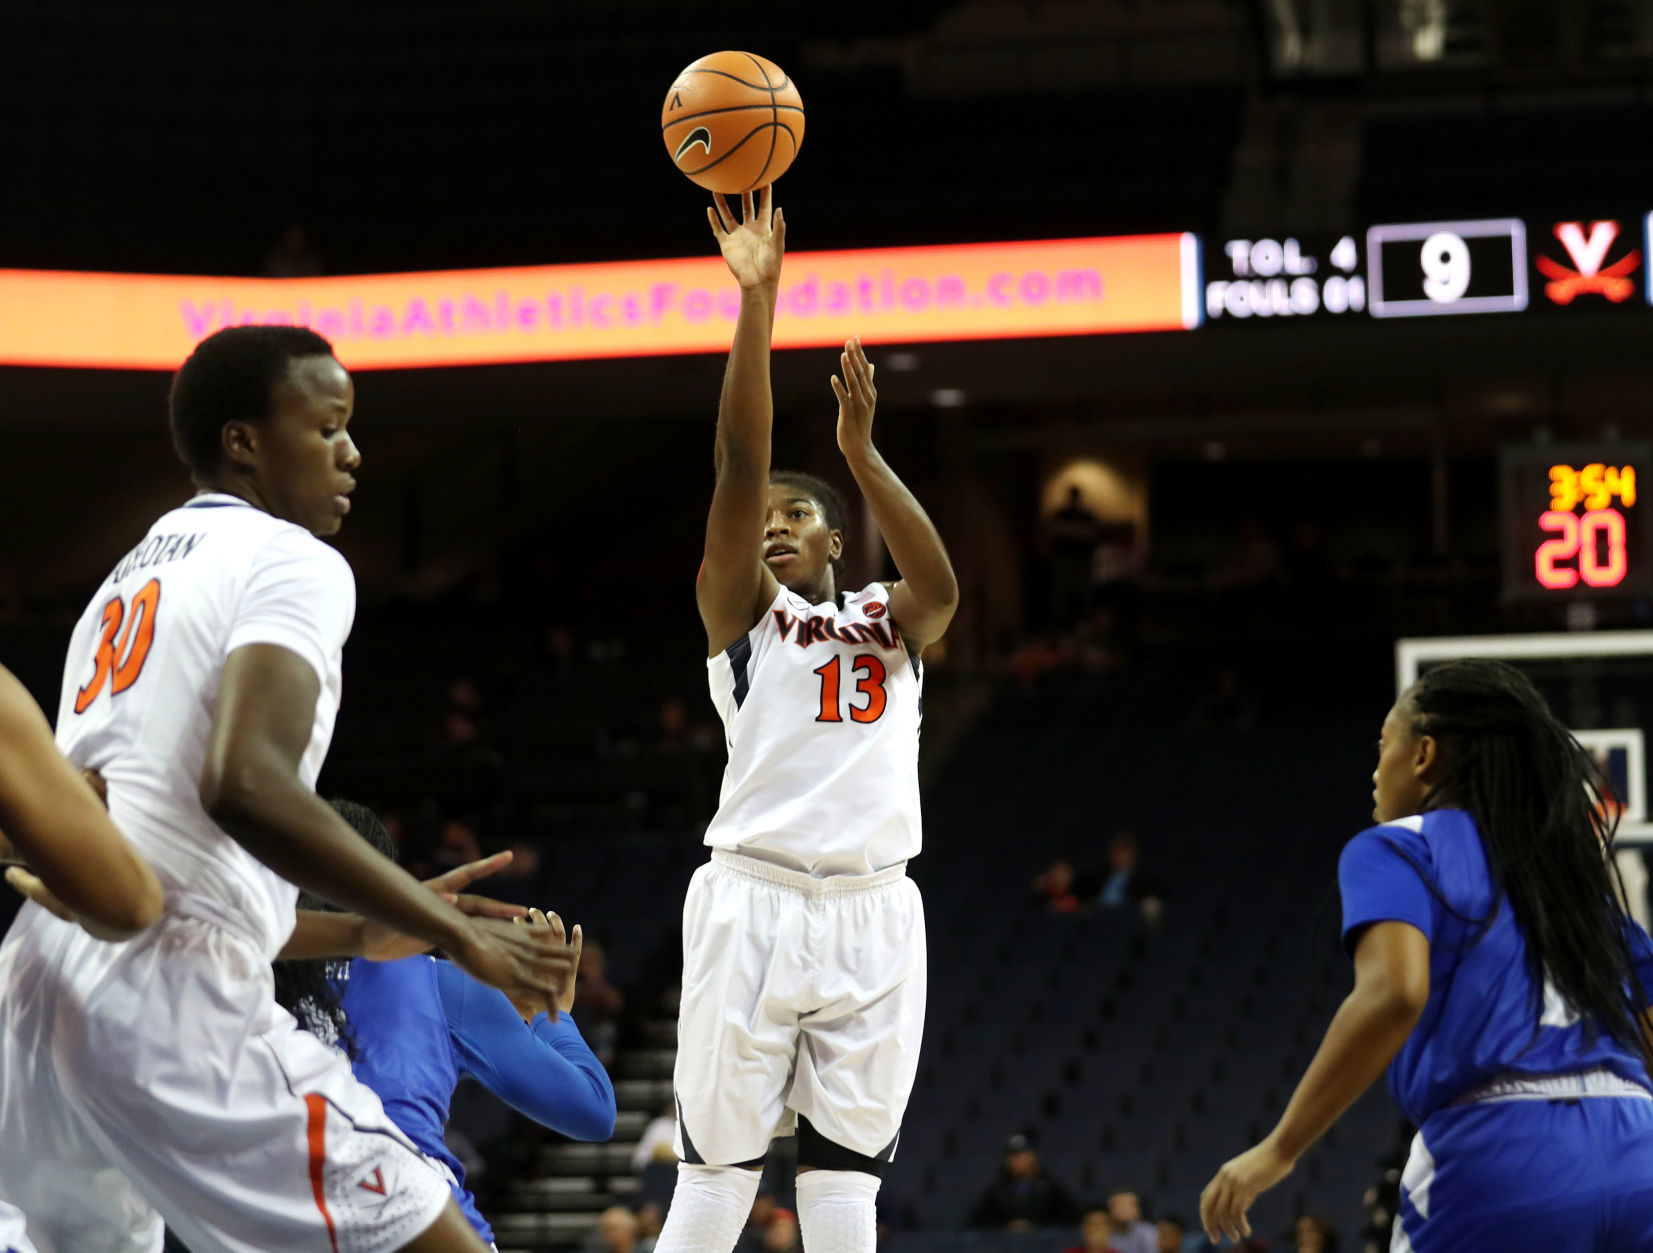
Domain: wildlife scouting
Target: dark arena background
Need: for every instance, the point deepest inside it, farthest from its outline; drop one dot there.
(1245, 352)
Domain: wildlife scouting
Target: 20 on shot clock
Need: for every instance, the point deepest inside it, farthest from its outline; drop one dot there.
(1575, 522)
(1429, 269)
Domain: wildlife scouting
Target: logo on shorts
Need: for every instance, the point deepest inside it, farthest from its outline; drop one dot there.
(376, 1184)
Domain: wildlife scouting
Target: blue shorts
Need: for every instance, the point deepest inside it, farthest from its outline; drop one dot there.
(1549, 1176)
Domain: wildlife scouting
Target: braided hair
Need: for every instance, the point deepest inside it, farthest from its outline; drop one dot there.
(1539, 801)
(310, 990)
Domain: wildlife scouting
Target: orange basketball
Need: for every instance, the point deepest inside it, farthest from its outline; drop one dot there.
(732, 122)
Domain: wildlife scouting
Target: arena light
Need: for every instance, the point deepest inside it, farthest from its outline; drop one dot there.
(622, 309)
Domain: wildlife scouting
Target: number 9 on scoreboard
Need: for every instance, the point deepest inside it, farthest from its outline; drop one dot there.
(1427, 269)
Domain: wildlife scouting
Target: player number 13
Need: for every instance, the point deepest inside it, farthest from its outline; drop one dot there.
(119, 662)
(871, 686)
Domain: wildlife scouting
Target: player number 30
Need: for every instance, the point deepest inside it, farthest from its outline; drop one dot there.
(119, 661)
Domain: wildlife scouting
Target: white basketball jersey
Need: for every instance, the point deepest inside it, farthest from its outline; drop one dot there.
(821, 708)
(141, 683)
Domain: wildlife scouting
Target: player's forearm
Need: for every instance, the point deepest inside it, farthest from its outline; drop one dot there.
(914, 543)
(1364, 1036)
(746, 409)
(320, 935)
(284, 824)
(58, 825)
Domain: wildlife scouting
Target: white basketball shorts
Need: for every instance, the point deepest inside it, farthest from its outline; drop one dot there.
(12, 1237)
(158, 1080)
(801, 996)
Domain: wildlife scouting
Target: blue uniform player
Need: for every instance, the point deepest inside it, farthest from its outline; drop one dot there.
(415, 1027)
(1498, 980)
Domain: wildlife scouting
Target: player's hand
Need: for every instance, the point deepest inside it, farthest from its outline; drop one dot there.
(531, 965)
(382, 943)
(857, 398)
(752, 248)
(1226, 1198)
(527, 1006)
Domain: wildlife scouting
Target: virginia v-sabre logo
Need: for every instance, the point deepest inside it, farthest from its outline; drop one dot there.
(1590, 273)
(699, 135)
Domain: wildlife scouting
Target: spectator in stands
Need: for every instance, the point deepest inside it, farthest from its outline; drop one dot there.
(523, 881)
(650, 1217)
(1131, 1233)
(1024, 1196)
(1095, 1233)
(1174, 1237)
(1063, 890)
(459, 845)
(1314, 1234)
(655, 1158)
(1074, 532)
(763, 1213)
(1126, 883)
(782, 1233)
(616, 1232)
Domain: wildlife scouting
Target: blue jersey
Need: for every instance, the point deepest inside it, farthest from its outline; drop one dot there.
(421, 1024)
(1431, 871)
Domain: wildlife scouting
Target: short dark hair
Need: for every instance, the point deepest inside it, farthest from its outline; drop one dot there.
(832, 506)
(232, 375)
(367, 825)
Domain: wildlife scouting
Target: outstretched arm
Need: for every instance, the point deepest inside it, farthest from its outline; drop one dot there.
(1390, 993)
(58, 825)
(543, 1068)
(734, 586)
(251, 787)
(922, 603)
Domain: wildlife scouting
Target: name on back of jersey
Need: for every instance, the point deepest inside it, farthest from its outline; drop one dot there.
(155, 550)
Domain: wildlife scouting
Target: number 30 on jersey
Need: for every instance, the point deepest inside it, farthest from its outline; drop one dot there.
(119, 662)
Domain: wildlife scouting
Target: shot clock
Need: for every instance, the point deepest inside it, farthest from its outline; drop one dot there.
(1576, 523)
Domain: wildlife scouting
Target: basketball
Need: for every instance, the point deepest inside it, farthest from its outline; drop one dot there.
(732, 122)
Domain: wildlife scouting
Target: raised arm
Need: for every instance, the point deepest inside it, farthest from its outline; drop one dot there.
(58, 825)
(251, 787)
(922, 603)
(734, 586)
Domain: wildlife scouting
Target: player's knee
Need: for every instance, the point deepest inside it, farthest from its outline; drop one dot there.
(816, 1153)
(737, 1184)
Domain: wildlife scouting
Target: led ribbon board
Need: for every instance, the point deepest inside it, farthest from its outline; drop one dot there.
(619, 309)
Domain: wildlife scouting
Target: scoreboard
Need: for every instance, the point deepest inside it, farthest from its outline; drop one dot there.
(1574, 520)
(1428, 269)
(1433, 269)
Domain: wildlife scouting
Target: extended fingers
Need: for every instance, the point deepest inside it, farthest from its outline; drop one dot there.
(463, 876)
(748, 211)
(766, 204)
(725, 220)
(483, 906)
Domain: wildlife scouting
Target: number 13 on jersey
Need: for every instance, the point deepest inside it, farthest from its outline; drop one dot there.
(119, 662)
(871, 686)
